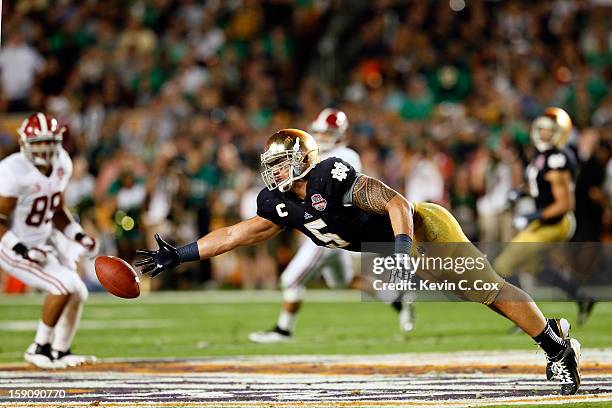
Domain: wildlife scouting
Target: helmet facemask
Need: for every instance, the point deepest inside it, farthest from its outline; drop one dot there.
(551, 129)
(291, 154)
(40, 138)
(545, 133)
(281, 169)
(42, 152)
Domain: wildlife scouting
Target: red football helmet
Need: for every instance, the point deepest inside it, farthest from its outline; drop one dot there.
(40, 138)
(329, 128)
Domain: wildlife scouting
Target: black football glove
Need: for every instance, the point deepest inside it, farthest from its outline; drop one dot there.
(37, 255)
(155, 262)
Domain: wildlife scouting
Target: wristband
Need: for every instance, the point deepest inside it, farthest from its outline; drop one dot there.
(403, 243)
(72, 230)
(189, 252)
(10, 240)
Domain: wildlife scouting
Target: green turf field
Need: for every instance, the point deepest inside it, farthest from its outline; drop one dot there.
(199, 324)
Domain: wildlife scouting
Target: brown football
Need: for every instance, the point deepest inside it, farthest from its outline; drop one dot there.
(117, 276)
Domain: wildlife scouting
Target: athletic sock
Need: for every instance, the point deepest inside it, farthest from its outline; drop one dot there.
(43, 333)
(397, 305)
(286, 321)
(550, 342)
(66, 326)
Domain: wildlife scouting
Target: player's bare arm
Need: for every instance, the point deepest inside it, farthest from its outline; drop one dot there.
(62, 217)
(562, 190)
(375, 196)
(65, 222)
(248, 232)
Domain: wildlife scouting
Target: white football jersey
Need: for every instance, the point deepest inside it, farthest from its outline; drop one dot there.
(38, 196)
(345, 153)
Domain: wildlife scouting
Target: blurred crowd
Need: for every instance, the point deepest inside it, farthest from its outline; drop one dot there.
(168, 104)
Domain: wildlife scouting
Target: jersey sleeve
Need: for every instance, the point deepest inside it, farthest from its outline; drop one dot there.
(65, 162)
(353, 158)
(9, 187)
(561, 160)
(334, 178)
(271, 208)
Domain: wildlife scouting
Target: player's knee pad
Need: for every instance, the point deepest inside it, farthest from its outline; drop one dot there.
(294, 294)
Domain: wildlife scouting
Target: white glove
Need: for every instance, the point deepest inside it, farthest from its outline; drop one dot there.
(520, 222)
(89, 243)
(37, 255)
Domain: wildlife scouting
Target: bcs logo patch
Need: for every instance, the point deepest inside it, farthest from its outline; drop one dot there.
(318, 202)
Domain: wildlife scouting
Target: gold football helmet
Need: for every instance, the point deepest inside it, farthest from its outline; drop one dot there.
(290, 154)
(552, 129)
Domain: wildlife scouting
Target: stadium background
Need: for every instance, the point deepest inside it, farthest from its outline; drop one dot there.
(168, 105)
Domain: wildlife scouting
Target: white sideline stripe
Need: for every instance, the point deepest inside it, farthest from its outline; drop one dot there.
(29, 325)
(508, 357)
(196, 297)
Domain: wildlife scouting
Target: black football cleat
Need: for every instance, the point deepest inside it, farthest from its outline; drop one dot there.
(566, 367)
(562, 328)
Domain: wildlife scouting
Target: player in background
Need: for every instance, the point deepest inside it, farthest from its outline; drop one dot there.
(32, 211)
(550, 182)
(329, 130)
(351, 208)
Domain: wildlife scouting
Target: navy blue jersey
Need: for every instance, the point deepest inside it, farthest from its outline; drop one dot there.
(324, 215)
(540, 188)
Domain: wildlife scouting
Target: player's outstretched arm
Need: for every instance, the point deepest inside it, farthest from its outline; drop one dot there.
(249, 232)
(219, 241)
(376, 197)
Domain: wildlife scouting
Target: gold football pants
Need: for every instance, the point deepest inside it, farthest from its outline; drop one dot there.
(526, 250)
(434, 224)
